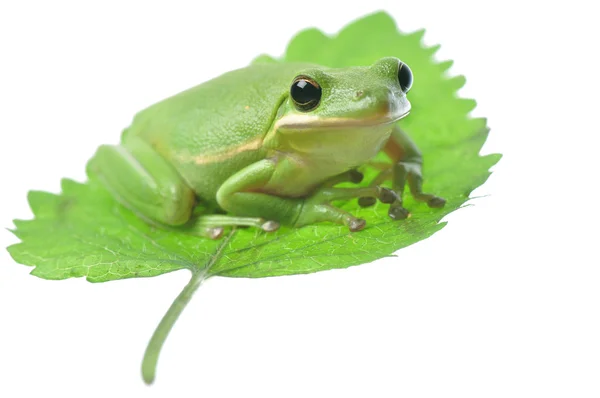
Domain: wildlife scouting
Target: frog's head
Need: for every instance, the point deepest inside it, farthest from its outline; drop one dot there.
(354, 96)
(352, 108)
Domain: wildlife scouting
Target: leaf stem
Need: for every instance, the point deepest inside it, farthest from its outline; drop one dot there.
(166, 324)
(157, 340)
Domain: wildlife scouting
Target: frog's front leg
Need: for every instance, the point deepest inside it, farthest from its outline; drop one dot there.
(244, 194)
(407, 168)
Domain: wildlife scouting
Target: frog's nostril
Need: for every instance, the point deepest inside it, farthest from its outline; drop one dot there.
(359, 94)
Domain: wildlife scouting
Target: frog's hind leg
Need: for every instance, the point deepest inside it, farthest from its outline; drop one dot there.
(216, 222)
(145, 182)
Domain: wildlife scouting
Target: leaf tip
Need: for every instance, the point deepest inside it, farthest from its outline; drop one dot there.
(13, 230)
(379, 16)
(494, 158)
(310, 38)
(433, 49)
(263, 59)
(468, 104)
(417, 34)
(11, 248)
(377, 22)
(457, 82)
(446, 65)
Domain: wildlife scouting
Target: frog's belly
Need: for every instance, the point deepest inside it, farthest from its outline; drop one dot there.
(297, 176)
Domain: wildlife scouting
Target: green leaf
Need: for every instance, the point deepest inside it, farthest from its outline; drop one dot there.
(84, 232)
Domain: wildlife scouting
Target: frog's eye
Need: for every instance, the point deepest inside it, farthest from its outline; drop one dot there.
(306, 93)
(405, 77)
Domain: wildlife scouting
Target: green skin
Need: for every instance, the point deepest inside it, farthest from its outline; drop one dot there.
(240, 144)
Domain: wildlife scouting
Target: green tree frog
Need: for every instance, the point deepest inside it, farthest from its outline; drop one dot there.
(265, 145)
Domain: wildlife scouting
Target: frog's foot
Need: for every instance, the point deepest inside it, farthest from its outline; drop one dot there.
(432, 201)
(403, 173)
(212, 225)
(398, 212)
(383, 176)
(318, 207)
(354, 176)
(410, 173)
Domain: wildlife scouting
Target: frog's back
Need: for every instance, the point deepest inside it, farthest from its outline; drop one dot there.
(224, 111)
(216, 128)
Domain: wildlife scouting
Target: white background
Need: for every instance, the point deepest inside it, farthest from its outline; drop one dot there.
(503, 302)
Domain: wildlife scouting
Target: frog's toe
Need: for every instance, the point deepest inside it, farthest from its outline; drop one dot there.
(436, 202)
(398, 213)
(386, 195)
(270, 226)
(356, 224)
(366, 201)
(356, 176)
(215, 232)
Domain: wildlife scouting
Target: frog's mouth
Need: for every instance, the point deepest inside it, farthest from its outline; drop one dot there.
(336, 143)
(388, 113)
(295, 122)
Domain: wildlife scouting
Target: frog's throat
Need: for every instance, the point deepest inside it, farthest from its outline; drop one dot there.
(295, 122)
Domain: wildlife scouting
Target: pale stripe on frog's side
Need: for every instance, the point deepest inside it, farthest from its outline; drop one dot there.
(220, 156)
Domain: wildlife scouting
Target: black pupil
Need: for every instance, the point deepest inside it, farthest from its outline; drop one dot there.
(305, 92)
(405, 77)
